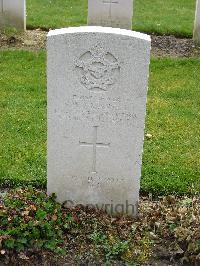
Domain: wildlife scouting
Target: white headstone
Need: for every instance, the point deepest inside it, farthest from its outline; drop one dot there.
(197, 23)
(13, 14)
(110, 13)
(97, 91)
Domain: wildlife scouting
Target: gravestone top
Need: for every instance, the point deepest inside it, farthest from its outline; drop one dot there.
(97, 88)
(110, 13)
(99, 29)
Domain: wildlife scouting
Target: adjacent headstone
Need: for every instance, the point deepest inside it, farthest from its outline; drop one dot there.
(13, 14)
(97, 91)
(197, 23)
(110, 13)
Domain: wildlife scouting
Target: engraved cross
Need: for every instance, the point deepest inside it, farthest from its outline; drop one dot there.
(110, 2)
(94, 144)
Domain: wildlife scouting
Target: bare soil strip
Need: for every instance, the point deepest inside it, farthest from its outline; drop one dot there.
(162, 46)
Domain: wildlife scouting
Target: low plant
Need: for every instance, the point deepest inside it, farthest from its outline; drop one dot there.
(31, 219)
(31, 222)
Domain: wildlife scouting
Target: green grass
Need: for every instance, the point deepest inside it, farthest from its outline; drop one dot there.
(22, 117)
(56, 13)
(158, 16)
(165, 16)
(171, 157)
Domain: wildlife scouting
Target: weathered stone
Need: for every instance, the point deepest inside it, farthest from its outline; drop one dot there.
(97, 90)
(13, 14)
(110, 13)
(197, 23)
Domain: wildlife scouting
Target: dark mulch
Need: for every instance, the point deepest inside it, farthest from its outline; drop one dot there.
(174, 47)
(32, 40)
(162, 46)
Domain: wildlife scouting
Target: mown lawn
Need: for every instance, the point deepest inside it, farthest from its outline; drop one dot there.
(171, 157)
(22, 117)
(158, 16)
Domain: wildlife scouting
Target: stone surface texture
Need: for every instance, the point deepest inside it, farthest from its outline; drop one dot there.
(197, 23)
(13, 14)
(97, 90)
(110, 13)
